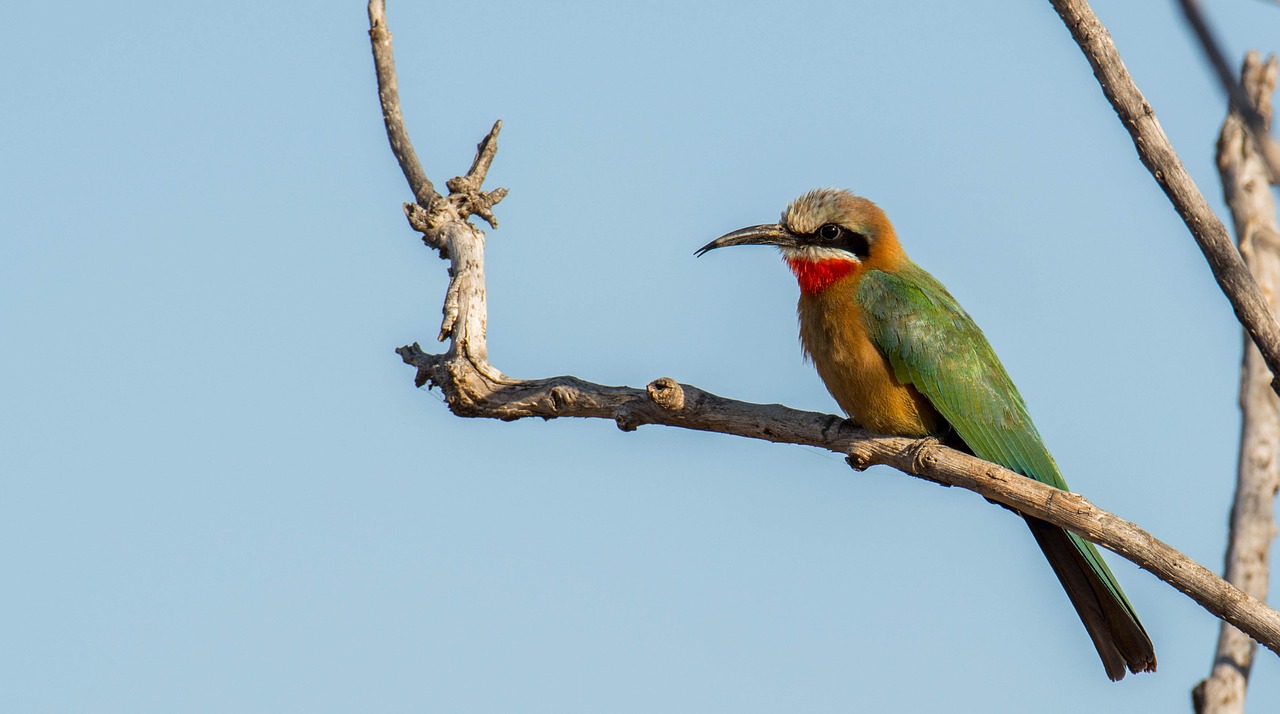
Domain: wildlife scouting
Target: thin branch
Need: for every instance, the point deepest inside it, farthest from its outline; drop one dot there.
(1268, 150)
(474, 388)
(384, 63)
(485, 151)
(1163, 163)
(470, 393)
(1253, 524)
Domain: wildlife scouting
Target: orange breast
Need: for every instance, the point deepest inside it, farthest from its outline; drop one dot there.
(861, 379)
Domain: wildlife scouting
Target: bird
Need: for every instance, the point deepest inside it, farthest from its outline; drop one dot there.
(901, 357)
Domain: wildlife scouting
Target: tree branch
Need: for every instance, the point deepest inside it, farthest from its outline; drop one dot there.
(1253, 525)
(474, 388)
(469, 392)
(1246, 109)
(1160, 159)
(384, 63)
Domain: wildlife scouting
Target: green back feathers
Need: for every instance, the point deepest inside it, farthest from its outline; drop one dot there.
(933, 344)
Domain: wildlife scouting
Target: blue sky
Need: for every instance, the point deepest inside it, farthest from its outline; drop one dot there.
(222, 493)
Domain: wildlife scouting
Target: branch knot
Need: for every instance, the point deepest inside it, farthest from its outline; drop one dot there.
(921, 453)
(667, 393)
(859, 459)
(626, 418)
(468, 201)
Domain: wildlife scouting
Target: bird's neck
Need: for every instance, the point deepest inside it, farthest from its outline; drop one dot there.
(815, 276)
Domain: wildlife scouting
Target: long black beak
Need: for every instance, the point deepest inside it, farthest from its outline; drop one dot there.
(768, 234)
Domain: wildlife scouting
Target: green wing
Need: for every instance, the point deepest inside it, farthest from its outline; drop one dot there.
(934, 345)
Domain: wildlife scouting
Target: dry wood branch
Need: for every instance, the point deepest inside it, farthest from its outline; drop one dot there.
(471, 393)
(443, 222)
(1160, 159)
(1253, 526)
(1248, 110)
(473, 388)
(389, 96)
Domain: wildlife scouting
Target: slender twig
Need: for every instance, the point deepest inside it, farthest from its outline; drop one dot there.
(1253, 524)
(485, 151)
(384, 63)
(1160, 159)
(474, 388)
(1267, 148)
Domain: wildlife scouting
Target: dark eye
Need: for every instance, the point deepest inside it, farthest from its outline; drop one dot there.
(834, 235)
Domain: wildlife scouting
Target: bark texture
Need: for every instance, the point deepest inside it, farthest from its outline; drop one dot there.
(1253, 210)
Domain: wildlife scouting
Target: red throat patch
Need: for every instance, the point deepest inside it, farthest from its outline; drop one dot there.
(815, 276)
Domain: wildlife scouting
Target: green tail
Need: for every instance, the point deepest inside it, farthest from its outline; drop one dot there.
(934, 345)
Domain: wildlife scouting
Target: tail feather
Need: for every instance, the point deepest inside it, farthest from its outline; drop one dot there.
(1119, 637)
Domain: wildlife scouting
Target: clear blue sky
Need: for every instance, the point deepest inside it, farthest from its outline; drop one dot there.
(221, 491)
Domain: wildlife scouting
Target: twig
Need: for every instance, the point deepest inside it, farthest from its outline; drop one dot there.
(384, 63)
(1163, 163)
(1268, 150)
(473, 388)
(1253, 525)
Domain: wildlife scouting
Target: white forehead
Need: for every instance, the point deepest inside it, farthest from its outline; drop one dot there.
(821, 205)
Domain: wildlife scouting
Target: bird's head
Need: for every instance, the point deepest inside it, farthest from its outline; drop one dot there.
(825, 235)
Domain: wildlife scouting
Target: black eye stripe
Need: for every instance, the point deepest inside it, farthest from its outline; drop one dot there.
(834, 235)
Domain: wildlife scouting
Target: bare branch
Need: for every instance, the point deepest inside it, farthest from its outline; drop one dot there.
(1163, 163)
(443, 222)
(471, 393)
(485, 151)
(384, 63)
(1245, 107)
(1253, 525)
